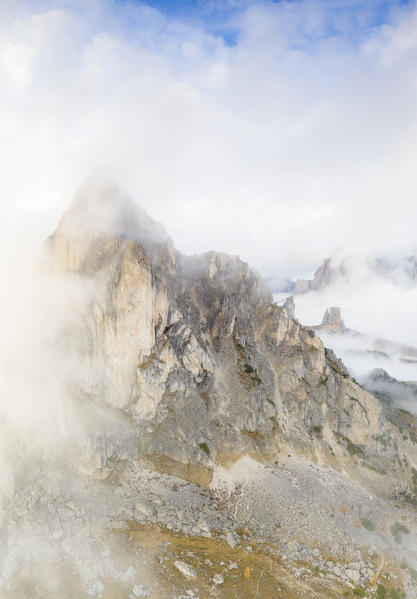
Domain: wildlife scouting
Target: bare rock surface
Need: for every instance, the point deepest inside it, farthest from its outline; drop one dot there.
(219, 437)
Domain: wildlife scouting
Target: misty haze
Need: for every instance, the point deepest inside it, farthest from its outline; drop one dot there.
(208, 350)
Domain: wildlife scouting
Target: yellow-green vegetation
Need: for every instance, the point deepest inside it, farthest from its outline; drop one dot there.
(248, 374)
(360, 404)
(259, 573)
(368, 524)
(381, 592)
(375, 467)
(352, 449)
(204, 447)
(152, 550)
(397, 529)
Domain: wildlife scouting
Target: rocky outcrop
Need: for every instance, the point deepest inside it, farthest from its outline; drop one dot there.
(193, 350)
(322, 278)
(332, 323)
(363, 353)
(214, 441)
(332, 320)
(289, 305)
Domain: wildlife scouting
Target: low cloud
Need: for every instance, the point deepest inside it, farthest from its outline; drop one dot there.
(377, 296)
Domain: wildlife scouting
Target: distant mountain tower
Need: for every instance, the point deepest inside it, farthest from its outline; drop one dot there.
(332, 320)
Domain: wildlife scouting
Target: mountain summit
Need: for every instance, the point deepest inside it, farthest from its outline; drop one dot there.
(195, 344)
(225, 452)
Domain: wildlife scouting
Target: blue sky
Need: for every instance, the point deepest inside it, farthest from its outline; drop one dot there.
(350, 18)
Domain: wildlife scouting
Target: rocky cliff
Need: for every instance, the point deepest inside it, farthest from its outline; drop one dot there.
(332, 320)
(227, 452)
(323, 276)
(196, 353)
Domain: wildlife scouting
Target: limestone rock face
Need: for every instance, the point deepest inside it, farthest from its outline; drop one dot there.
(195, 353)
(322, 277)
(332, 320)
(289, 305)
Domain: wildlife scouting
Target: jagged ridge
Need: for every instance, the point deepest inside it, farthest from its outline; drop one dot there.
(193, 349)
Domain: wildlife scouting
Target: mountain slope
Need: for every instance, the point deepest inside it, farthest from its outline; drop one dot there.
(216, 431)
(196, 353)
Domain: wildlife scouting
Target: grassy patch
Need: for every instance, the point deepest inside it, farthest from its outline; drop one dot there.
(204, 447)
(381, 592)
(374, 467)
(368, 524)
(352, 449)
(397, 529)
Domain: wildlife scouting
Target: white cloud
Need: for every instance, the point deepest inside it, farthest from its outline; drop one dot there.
(281, 148)
(377, 298)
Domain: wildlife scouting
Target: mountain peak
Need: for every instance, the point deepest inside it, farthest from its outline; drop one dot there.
(100, 209)
(332, 319)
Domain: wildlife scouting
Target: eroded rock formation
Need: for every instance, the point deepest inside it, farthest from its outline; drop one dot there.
(212, 438)
(196, 353)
